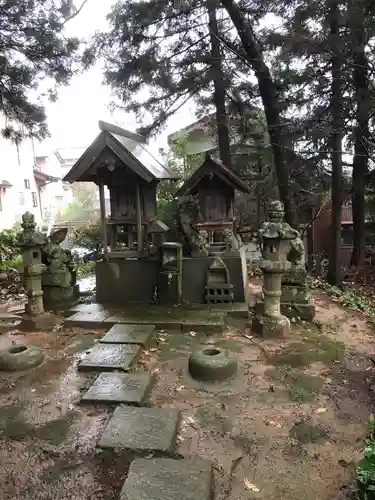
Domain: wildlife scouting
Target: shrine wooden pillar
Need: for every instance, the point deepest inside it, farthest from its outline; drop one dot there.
(103, 219)
(139, 219)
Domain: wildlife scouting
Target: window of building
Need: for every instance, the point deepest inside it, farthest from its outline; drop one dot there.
(35, 199)
(347, 235)
(22, 198)
(27, 183)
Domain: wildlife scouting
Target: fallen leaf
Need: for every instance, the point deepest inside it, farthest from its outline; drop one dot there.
(251, 486)
(321, 410)
(179, 388)
(272, 422)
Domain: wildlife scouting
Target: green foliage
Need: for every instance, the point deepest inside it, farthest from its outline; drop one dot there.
(170, 207)
(33, 48)
(89, 237)
(83, 206)
(85, 269)
(9, 244)
(364, 488)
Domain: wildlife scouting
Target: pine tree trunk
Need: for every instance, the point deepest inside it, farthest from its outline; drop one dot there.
(219, 88)
(270, 102)
(361, 134)
(334, 268)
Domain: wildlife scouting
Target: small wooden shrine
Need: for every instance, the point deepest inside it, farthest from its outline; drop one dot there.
(119, 160)
(214, 185)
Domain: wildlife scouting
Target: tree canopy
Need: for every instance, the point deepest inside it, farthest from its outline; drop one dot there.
(33, 48)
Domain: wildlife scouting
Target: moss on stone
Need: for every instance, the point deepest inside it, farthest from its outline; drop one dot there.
(313, 347)
(306, 432)
(301, 387)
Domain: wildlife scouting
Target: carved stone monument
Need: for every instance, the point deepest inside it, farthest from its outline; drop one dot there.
(31, 242)
(276, 236)
(296, 300)
(59, 277)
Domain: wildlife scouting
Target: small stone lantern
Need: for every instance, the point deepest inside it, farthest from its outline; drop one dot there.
(31, 242)
(276, 236)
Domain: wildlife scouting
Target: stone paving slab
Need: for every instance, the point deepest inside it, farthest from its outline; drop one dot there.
(168, 479)
(86, 319)
(151, 429)
(129, 334)
(117, 388)
(110, 357)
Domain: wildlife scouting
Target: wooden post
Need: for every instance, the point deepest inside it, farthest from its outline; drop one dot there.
(139, 219)
(103, 219)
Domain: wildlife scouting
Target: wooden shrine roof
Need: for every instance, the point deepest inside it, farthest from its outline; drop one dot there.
(128, 148)
(216, 167)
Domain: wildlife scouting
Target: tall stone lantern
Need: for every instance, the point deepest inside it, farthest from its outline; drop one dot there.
(276, 236)
(31, 242)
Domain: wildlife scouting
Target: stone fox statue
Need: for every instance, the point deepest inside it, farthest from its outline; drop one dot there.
(194, 240)
(55, 257)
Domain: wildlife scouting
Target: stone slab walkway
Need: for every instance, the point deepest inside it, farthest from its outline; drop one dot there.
(119, 388)
(110, 357)
(140, 429)
(167, 479)
(129, 334)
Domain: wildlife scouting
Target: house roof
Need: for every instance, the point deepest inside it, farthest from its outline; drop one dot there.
(5, 184)
(66, 154)
(128, 148)
(212, 165)
(42, 176)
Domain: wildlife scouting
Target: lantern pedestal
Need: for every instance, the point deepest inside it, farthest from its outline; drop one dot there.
(268, 321)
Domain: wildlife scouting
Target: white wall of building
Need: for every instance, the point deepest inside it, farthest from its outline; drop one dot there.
(16, 168)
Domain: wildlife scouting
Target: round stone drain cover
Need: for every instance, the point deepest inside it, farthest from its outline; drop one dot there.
(212, 364)
(20, 357)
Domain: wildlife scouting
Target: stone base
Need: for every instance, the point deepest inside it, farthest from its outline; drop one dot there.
(298, 310)
(268, 327)
(59, 298)
(45, 321)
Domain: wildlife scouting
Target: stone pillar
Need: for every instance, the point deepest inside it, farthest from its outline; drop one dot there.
(31, 242)
(275, 236)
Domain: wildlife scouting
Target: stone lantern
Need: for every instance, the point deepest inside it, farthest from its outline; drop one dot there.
(276, 236)
(31, 242)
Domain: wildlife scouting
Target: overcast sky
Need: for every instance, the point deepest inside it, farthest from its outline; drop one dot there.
(73, 119)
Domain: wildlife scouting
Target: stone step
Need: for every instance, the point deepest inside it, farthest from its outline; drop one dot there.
(120, 388)
(185, 318)
(141, 429)
(129, 334)
(110, 357)
(168, 479)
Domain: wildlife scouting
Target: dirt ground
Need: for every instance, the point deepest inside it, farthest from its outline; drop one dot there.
(290, 425)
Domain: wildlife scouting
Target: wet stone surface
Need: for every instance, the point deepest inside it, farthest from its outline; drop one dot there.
(112, 388)
(129, 334)
(86, 319)
(152, 429)
(109, 357)
(167, 479)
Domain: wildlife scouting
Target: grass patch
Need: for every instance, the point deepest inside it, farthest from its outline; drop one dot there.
(301, 387)
(314, 347)
(213, 419)
(306, 432)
